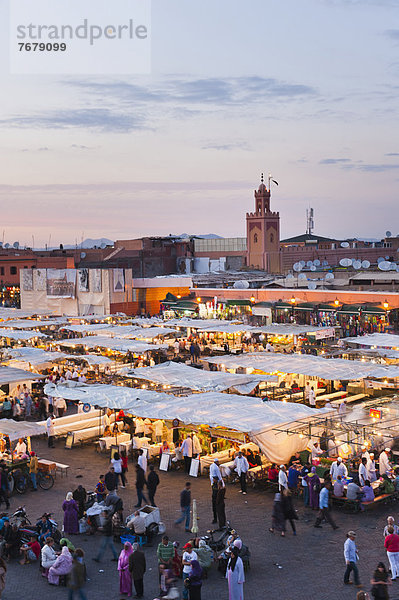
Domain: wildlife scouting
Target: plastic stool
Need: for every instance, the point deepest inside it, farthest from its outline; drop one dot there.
(142, 539)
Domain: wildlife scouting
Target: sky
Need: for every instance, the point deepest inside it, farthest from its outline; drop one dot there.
(307, 91)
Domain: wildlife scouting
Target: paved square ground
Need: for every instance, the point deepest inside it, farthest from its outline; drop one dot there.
(310, 565)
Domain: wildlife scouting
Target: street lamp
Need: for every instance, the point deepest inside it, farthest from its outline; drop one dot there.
(336, 302)
(292, 300)
(386, 305)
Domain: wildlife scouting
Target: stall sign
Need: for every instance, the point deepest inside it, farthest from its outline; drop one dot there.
(86, 407)
(175, 423)
(375, 413)
(326, 332)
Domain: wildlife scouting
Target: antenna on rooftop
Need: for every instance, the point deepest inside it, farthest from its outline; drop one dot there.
(309, 221)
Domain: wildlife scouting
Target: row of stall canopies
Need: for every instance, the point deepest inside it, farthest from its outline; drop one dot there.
(231, 412)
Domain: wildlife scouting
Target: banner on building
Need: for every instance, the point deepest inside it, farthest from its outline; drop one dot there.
(40, 280)
(96, 284)
(61, 283)
(83, 277)
(119, 280)
(327, 332)
(27, 279)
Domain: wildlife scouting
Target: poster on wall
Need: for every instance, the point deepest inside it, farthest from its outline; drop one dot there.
(40, 280)
(83, 278)
(61, 283)
(27, 279)
(96, 285)
(119, 280)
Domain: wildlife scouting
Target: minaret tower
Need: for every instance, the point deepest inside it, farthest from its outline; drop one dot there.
(263, 233)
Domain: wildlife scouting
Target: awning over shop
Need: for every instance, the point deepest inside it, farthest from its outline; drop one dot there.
(20, 429)
(304, 364)
(327, 308)
(283, 305)
(178, 374)
(306, 306)
(116, 344)
(12, 375)
(373, 310)
(239, 303)
(349, 309)
(381, 340)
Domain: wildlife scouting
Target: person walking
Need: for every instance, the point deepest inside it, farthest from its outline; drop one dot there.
(215, 488)
(351, 559)
(33, 469)
(107, 539)
(391, 544)
(140, 483)
(186, 449)
(324, 507)
(50, 431)
(288, 509)
(116, 462)
(111, 480)
(137, 568)
(241, 466)
(152, 484)
(77, 577)
(380, 583)
(235, 576)
(125, 578)
(278, 519)
(185, 503)
(220, 504)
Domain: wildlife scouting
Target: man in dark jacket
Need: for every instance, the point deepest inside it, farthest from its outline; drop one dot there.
(152, 484)
(111, 480)
(137, 568)
(140, 483)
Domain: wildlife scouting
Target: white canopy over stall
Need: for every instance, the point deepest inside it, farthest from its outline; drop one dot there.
(12, 375)
(304, 364)
(241, 413)
(117, 344)
(18, 429)
(23, 357)
(380, 340)
(178, 374)
(13, 334)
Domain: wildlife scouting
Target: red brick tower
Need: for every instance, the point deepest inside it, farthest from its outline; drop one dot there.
(263, 233)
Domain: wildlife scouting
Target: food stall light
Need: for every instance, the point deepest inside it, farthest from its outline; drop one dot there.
(292, 300)
(178, 296)
(252, 299)
(199, 299)
(301, 435)
(164, 387)
(143, 386)
(135, 381)
(385, 305)
(336, 302)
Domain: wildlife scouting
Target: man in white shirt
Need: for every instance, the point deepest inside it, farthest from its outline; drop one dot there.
(106, 421)
(363, 471)
(307, 391)
(142, 460)
(68, 374)
(312, 398)
(187, 451)
(316, 451)
(137, 523)
(241, 466)
(384, 463)
(338, 468)
(20, 448)
(50, 431)
(371, 471)
(139, 427)
(61, 406)
(82, 379)
(282, 478)
(214, 471)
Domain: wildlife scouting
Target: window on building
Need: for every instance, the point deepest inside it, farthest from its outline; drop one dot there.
(255, 238)
(1, 270)
(13, 270)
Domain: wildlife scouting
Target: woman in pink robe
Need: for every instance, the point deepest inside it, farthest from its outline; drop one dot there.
(62, 566)
(125, 578)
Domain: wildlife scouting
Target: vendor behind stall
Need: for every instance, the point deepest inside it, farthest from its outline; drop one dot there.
(20, 449)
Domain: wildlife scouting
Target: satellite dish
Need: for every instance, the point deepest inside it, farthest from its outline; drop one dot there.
(103, 245)
(15, 245)
(344, 244)
(365, 264)
(357, 264)
(290, 276)
(387, 258)
(325, 263)
(309, 263)
(345, 262)
(297, 267)
(329, 276)
(312, 285)
(1, 244)
(302, 276)
(394, 266)
(82, 254)
(7, 245)
(302, 263)
(388, 234)
(242, 284)
(380, 259)
(313, 268)
(316, 262)
(384, 265)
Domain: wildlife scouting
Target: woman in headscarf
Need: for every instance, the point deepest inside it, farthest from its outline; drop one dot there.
(380, 583)
(62, 566)
(125, 578)
(177, 561)
(195, 581)
(205, 555)
(70, 508)
(235, 576)
(313, 481)
(278, 519)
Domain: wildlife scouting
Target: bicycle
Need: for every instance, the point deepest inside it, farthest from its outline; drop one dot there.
(43, 480)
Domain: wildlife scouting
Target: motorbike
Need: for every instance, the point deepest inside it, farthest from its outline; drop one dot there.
(26, 528)
(217, 538)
